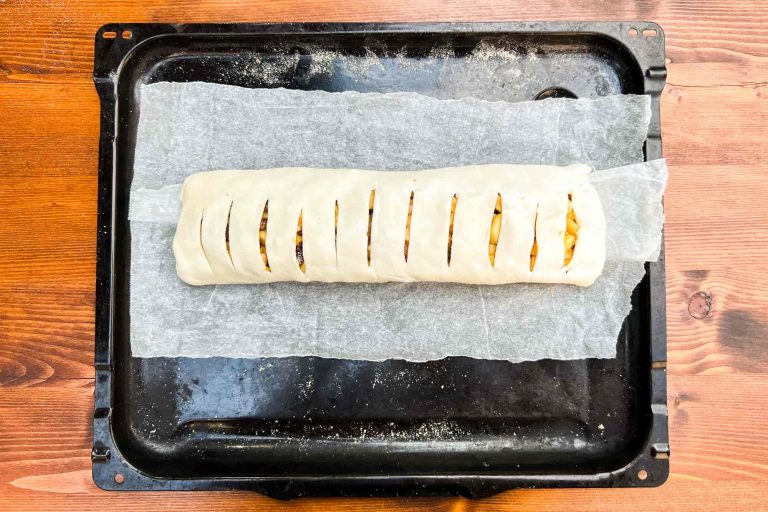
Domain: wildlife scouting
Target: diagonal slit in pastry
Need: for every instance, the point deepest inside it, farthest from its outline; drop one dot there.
(571, 232)
(300, 244)
(535, 246)
(370, 222)
(493, 242)
(408, 228)
(454, 202)
(226, 234)
(263, 236)
(200, 238)
(336, 232)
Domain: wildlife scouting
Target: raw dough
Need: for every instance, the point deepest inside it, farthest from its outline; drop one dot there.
(217, 237)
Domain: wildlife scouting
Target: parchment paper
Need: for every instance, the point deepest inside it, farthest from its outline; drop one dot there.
(185, 128)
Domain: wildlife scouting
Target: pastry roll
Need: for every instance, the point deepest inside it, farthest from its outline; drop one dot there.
(482, 224)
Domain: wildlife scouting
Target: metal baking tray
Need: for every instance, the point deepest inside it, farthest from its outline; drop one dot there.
(311, 426)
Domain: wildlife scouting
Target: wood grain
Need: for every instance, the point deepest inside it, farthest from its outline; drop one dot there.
(732, 337)
(48, 233)
(713, 117)
(729, 134)
(55, 130)
(709, 211)
(46, 336)
(675, 496)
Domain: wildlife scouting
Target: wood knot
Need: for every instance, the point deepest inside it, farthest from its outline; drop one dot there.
(699, 305)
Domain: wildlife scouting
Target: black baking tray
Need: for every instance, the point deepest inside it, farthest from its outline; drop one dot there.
(311, 426)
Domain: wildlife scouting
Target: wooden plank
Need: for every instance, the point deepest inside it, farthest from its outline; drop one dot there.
(50, 333)
(710, 443)
(47, 278)
(708, 440)
(55, 130)
(55, 116)
(73, 491)
(682, 72)
(714, 125)
(48, 233)
(38, 235)
(710, 211)
(731, 338)
(47, 335)
(57, 39)
(56, 308)
(45, 423)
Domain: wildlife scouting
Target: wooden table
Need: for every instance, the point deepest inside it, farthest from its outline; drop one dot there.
(714, 113)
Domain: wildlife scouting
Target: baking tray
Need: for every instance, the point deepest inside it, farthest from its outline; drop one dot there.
(310, 426)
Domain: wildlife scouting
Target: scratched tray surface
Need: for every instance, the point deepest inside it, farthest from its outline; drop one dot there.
(291, 426)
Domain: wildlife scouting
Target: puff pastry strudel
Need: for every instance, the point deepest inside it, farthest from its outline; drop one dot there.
(482, 224)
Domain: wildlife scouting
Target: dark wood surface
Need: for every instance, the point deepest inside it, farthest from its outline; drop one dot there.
(714, 113)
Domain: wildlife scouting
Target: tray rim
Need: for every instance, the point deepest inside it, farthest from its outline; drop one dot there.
(107, 462)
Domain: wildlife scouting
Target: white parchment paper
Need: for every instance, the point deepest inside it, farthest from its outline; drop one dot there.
(189, 127)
